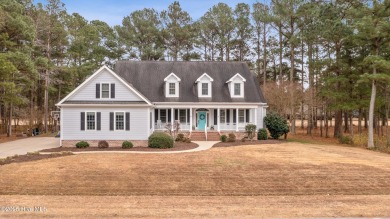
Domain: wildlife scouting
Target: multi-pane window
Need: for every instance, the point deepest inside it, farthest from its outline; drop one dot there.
(222, 116)
(120, 121)
(205, 89)
(91, 121)
(105, 90)
(237, 89)
(172, 87)
(183, 115)
(163, 115)
(241, 116)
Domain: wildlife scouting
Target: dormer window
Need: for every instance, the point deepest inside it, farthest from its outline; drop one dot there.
(205, 89)
(204, 83)
(172, 85)
(236, 86)
(237, 89)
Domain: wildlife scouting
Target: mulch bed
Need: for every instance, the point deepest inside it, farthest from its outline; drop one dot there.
(31, 157)
(178, 146)
(248, 142)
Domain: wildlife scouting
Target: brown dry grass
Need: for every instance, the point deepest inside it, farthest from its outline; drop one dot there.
(278, 180)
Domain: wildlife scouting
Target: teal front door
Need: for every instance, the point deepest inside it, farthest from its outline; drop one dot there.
(201, 120)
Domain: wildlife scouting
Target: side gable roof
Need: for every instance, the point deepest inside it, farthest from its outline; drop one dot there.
(126, 83)
(148, 77)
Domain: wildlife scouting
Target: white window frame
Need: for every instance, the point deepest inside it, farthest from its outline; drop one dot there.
(124, 121)
(244, 115)
(185, 116)
(207, 88)
(169, 88)
(101, 91)
(166, 115)
(172, 78)
(205, 78)
(239, 89)
(224, 116)
(86, 121)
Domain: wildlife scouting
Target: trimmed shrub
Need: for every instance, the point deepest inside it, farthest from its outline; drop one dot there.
(345, 140)
(127, 144)
(231, 137)
(82, 144)
(250, 129)
(262, 134)
(160, 140)
(180, 137)
(223, 138)
(103, 144)
(276, 125)
(186, 140)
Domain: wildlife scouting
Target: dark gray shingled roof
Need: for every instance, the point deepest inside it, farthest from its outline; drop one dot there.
(101, 102)
(148, 78)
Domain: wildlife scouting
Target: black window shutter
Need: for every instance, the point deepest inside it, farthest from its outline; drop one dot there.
(82, 121)
(176, 114)
(112, 91)
(98, 120)
(234, 116)
(215, 117)
(98, 91)
(155, 115)
(111, 121)
(188, 116)
(169, 116)
(127, 121)
(247, 115)
(228, 116)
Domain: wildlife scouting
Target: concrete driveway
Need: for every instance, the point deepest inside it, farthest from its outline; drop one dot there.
(23, 146)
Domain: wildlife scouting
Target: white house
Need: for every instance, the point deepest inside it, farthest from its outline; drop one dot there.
(139, 98)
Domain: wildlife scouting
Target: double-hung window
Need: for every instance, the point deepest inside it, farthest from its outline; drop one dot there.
(105, 91)
(91, 121)
(237, 89)
(222, 116)
(172, 89)
(241, 116)
(205, 89)
(119, 121)
(163, 115)
(183, 116)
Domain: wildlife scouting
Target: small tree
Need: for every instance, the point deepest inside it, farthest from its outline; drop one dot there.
(250, 129)
(173, 131)
(276, 125)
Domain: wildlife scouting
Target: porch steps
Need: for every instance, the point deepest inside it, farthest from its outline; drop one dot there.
(200, 136)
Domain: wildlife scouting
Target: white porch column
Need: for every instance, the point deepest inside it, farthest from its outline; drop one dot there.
(255, 122)
(218, 120)
(172, 118)
(191, 120)
(236, 119)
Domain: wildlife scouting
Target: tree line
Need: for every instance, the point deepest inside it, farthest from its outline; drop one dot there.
(314, 59)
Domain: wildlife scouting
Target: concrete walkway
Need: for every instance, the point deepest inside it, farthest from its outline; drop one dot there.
(32, 144)
(203, 145)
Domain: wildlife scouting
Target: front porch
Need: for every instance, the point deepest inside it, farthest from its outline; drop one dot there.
(205, 119)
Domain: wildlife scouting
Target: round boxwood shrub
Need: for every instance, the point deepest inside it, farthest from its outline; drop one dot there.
(160, 140)
(223, 138)
(276, 125)
(231, 137)
(82, 144)
(102, 144)
(262, 134)
(127, 144)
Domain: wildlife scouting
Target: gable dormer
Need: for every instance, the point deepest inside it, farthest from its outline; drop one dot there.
(172, 85)
(204, 83)
(236, 86)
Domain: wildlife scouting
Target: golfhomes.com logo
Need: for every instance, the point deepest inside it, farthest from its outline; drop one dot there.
(22, 209)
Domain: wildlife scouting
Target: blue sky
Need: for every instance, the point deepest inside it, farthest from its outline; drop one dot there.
(113, 11)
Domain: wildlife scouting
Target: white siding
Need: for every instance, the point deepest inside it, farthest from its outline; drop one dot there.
(139, 126)
(261, 112)
(88, 91)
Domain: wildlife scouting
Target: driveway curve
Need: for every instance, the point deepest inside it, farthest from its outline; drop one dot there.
(22, 146)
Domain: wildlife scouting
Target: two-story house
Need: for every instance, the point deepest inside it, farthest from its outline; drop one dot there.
(139, 98)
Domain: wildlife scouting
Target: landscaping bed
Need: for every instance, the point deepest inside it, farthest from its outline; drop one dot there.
(31, 157)
(178, 146)
(248, 142)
